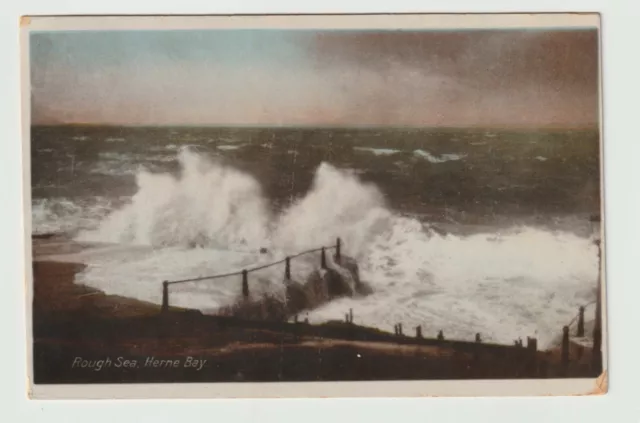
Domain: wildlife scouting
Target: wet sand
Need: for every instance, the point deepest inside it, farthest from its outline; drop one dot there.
(82, 335)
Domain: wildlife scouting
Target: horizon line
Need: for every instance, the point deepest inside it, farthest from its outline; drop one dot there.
(593, 126)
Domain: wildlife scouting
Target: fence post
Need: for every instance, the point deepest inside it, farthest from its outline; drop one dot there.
(338, 253)
(346, 317)
(350, 315)
(418, 331)
(532, 349)
(596, 353)
(245, 284)
(165, 296)
(287, 269)
(323, 259)
(564, 355)
(580, 331)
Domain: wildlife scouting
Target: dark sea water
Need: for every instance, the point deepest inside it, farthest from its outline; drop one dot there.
(470, 176)
(464, 230)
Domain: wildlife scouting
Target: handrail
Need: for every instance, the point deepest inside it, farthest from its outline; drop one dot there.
(578, 315)
(240, 272)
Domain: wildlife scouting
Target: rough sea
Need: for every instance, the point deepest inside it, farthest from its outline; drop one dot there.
(464, 230)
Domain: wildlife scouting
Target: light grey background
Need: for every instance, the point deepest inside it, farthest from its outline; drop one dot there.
(621, 66)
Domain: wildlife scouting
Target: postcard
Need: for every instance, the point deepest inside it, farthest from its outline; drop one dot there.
(314, 205)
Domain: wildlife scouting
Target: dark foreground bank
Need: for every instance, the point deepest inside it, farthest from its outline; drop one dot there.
(83, 336)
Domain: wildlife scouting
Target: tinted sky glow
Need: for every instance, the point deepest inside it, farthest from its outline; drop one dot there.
(305, 77)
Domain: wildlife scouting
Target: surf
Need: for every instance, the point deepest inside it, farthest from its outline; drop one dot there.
(211, 218)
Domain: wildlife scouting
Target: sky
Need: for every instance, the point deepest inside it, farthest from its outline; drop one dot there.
(237, 77)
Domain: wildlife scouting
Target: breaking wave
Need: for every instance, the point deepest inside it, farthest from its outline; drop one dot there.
(58, 215)
(378, 151)
(506, 284)
(437, 159)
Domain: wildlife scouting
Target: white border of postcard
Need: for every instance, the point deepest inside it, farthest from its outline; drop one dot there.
(458, 388)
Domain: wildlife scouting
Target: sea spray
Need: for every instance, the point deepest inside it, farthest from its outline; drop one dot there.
(506, 284)
(524, 282)
(208, 204)
(337, 205)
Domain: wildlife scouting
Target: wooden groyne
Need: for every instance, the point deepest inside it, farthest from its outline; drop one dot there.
(320, 286)
(73, 321)
(269, 314)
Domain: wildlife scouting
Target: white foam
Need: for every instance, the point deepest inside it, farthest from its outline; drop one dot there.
(505, 285)
(115, 168)
(208, 204)
(378, 151)
(167, 147)
(54, 215)
(229, 147)
(138, 272)
(435, 159)
(119, 164)
(541, 158)
(524, 283)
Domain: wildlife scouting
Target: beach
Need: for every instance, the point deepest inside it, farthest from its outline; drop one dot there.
(82, 335)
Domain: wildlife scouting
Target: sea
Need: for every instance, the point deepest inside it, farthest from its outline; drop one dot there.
(463, 230)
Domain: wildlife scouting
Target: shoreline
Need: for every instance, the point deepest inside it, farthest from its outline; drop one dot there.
(73, 322)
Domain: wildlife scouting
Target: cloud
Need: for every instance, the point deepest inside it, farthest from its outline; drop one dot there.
(330, 78)
(469, 78)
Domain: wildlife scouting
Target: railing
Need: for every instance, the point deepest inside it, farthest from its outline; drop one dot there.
(245, 272)
(564, 351)
(532, 342)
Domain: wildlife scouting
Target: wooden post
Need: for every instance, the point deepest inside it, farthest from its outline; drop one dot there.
(580, 331)
(532, 350)
(245, 284)
(596, 354)
(564, 355)
(287, 269)
(338, 252)
(543, 367)
(350, 315)
(418, 331)
(323, 259)
(346, 317)
(440, 336)
(478, 339)
(165, 296)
